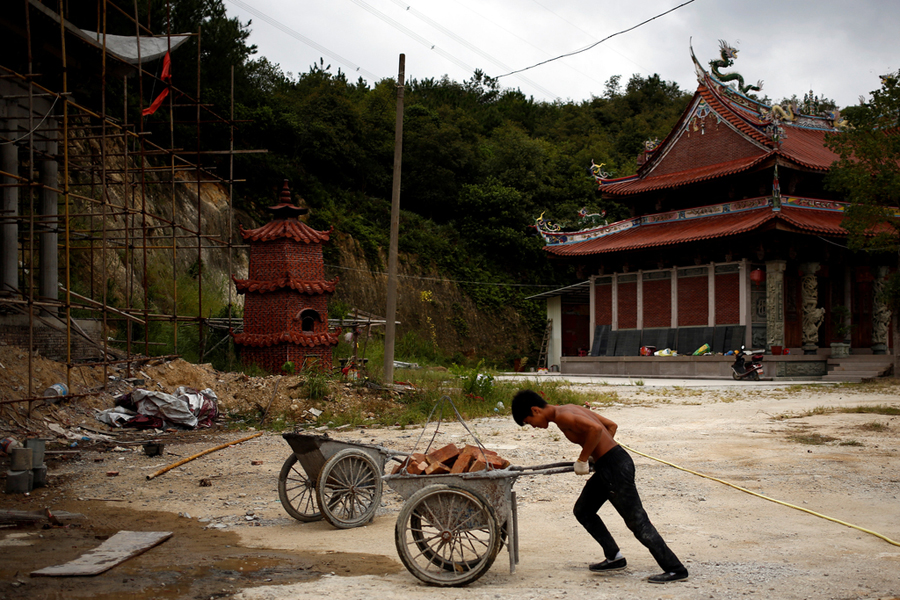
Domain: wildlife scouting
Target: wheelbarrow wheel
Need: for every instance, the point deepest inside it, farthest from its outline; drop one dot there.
(447, 536)
(349, 489)
(297, 491)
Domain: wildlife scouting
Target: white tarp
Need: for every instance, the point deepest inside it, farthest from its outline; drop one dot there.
(126, 46)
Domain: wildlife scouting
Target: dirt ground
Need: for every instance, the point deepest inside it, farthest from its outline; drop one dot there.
(232, 538)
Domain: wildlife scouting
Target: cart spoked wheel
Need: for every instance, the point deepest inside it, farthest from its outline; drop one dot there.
(447, 536)
(349, 489)
(297, 491)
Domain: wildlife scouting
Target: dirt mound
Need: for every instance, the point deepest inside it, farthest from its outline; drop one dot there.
(239, 396)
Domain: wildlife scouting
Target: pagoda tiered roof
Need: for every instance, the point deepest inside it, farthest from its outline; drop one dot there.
(273, 285)
(287, 337)
(287, 228)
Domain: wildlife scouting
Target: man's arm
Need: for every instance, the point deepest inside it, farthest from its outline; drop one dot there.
(611, 427)
(584, 428)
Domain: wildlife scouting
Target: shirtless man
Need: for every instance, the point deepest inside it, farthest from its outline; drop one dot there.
(613, 480)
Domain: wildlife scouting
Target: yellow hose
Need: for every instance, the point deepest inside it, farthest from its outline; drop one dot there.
(737, 487)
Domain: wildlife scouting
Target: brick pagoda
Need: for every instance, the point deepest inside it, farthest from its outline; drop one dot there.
(286, 303)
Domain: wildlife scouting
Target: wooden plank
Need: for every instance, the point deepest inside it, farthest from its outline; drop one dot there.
(20, 516)
(114, 551)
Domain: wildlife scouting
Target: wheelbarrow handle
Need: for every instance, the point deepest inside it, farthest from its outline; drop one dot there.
(550, 469)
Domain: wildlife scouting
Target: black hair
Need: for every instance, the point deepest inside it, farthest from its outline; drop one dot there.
(522, 403)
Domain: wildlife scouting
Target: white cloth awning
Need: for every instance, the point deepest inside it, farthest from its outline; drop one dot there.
(128, 47)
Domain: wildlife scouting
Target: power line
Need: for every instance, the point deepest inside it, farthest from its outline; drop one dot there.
(549, 60)
(465, 43)
(299, 36)
(414, 35)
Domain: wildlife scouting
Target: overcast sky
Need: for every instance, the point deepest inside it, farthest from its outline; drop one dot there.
(837, 48)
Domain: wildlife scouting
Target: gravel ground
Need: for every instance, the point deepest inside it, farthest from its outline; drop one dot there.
(735, 545)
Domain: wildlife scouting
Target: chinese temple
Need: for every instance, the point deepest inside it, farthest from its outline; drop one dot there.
(286, 294)
(733, 240)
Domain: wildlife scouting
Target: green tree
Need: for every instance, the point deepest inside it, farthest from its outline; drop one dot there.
(868, 175)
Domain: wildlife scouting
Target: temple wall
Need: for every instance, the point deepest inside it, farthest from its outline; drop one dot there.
(728, 295)
(627, 304)
(657, 303)
(693, 301)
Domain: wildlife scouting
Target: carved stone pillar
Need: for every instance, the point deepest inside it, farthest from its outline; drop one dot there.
(812, 314)
(881, 313)
(775, 302)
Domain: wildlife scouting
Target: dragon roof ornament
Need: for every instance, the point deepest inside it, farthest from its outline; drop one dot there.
(769, 119)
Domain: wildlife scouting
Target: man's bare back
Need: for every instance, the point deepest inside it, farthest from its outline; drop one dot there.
(580, 425)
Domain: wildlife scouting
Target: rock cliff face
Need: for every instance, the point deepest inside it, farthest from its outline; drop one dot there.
(428, 304)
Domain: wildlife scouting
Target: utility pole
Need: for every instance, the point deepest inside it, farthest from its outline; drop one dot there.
(391, 316)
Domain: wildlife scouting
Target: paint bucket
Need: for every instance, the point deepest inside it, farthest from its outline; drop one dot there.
(37, 446)
(20, 459)
(56, 390)
(153, 448)
(19, 482)
(39, 477)
(7, 445)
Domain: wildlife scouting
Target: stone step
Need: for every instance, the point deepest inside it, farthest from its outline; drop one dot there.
(856, 373)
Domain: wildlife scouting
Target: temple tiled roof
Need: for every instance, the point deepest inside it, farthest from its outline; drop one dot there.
(283, 228)
(689, 176)
(825, 222)
(262, 286)
(801, 142)
(287, 337)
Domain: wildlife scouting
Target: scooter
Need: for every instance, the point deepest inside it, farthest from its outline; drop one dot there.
(747, 369)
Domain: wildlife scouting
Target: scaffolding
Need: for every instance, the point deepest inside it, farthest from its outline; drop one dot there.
(93, 193)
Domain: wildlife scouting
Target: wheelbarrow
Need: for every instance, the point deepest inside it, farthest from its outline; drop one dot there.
(337, 480)
(452, 526)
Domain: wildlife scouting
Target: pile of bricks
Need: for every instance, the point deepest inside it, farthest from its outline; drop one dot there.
(450, 459)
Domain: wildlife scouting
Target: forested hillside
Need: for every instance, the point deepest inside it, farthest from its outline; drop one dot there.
(480, 162)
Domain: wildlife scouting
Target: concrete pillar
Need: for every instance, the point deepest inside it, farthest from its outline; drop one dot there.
(592, 302)
(775, 302)
(9, 195)
(711, 295)
(745, 305)
(615, 302)
(48, 172)
(812, 315)
(640, 299)
(881, 313)
(674, 289)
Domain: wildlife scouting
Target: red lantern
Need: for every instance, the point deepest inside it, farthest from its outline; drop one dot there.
(757, 276)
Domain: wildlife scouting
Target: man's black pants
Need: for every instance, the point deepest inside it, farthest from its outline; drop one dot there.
(613, 480)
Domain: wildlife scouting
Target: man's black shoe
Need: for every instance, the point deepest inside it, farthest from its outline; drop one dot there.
(669, 577)
(608, 565)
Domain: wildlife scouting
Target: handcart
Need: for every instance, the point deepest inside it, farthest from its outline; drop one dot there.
(337, 480)
(451, 527)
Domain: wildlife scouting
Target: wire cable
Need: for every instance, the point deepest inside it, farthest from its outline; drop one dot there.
(737, 487)
(549, 60)
(422, 17)
(298, 36)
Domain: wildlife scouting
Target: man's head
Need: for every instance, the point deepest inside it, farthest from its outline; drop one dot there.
(522, 403)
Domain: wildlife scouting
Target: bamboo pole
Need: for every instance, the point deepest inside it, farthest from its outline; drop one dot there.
(199, 454)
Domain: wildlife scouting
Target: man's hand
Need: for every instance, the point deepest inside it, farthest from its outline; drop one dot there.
(582, 468)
